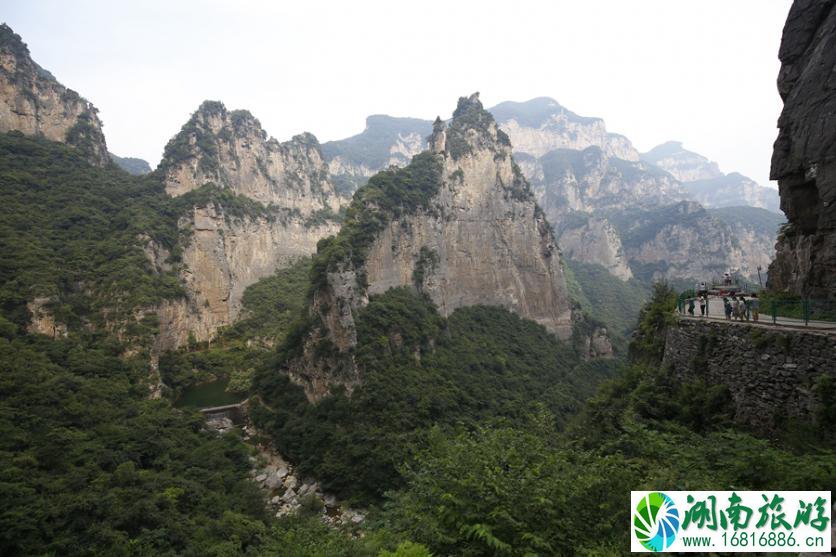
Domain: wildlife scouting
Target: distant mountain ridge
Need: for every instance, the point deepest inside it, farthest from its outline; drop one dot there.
(706, 183)
(131, 165)
(583, 176)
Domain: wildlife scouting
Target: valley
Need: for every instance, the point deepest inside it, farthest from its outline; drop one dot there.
(457, 336)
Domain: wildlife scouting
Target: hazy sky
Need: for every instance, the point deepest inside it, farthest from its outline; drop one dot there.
(700, 71)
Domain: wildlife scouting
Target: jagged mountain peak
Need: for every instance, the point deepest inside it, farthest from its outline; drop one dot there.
(542, 124)
(230, 149)
(11, 41)
(471, 129)
(33, 102)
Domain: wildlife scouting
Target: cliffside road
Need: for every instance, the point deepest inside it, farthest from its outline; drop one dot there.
(716, 313)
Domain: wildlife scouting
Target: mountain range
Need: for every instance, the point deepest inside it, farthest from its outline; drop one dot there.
(587, 180)
(401, 343)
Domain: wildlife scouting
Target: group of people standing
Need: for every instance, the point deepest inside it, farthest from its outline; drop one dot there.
(737, 308)
(740, 308)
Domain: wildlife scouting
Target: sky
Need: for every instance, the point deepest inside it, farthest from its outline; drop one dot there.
(698, 71)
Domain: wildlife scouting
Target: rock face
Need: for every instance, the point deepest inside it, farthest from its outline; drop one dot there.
(232, 151)
(772, 376)
(584, 178)
(596, 241)
(704, 181)
(235, 241)
(225, 256)
(686, 241)
(385, 142)
(542, 125)
(33, 102)
(804, 156)
(476, 236)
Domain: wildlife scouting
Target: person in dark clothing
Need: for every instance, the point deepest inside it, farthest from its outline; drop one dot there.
(727, 308)
(691, 307)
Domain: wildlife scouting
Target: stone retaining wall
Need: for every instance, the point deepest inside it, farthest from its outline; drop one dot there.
(773, 375)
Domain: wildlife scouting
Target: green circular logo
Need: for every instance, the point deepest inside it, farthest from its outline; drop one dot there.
(656, 521)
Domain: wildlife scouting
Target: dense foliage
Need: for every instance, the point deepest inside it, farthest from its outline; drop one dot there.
(74, 234)
(270, 307)
(420, 370)
(614, 302)
(89, 465)
(528, 489)
(388, 195)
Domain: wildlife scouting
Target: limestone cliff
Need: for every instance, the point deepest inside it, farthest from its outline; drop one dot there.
(231, 150)
(541, 125)
(227, 254)
(804, 157)
(459, 223)
(686, 241)
(255, 205)
(33, 102)
(594, 240)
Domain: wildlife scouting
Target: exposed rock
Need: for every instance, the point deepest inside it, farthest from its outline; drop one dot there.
(231, 150)
(682, 164)
(541, 125)
(33, 102)
(42, 321)
(804, 156)
(733, 190)
(477, 238)
(574, 165)
(224, 257)
(594, 240)
(589, 180)
(233, 246)
(685, 240)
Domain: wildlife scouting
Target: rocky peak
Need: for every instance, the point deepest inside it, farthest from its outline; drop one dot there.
(459, 224)
(804, 156)
(473, 129)
(231, 150)
(542, 125)
(33, 102)
(684, 165)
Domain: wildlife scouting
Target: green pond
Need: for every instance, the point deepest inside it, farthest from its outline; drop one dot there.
(207, 395)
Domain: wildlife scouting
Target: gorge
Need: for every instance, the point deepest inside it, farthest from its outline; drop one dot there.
(403, 343)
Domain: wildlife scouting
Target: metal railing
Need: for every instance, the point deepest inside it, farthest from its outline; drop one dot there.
(781, 310)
